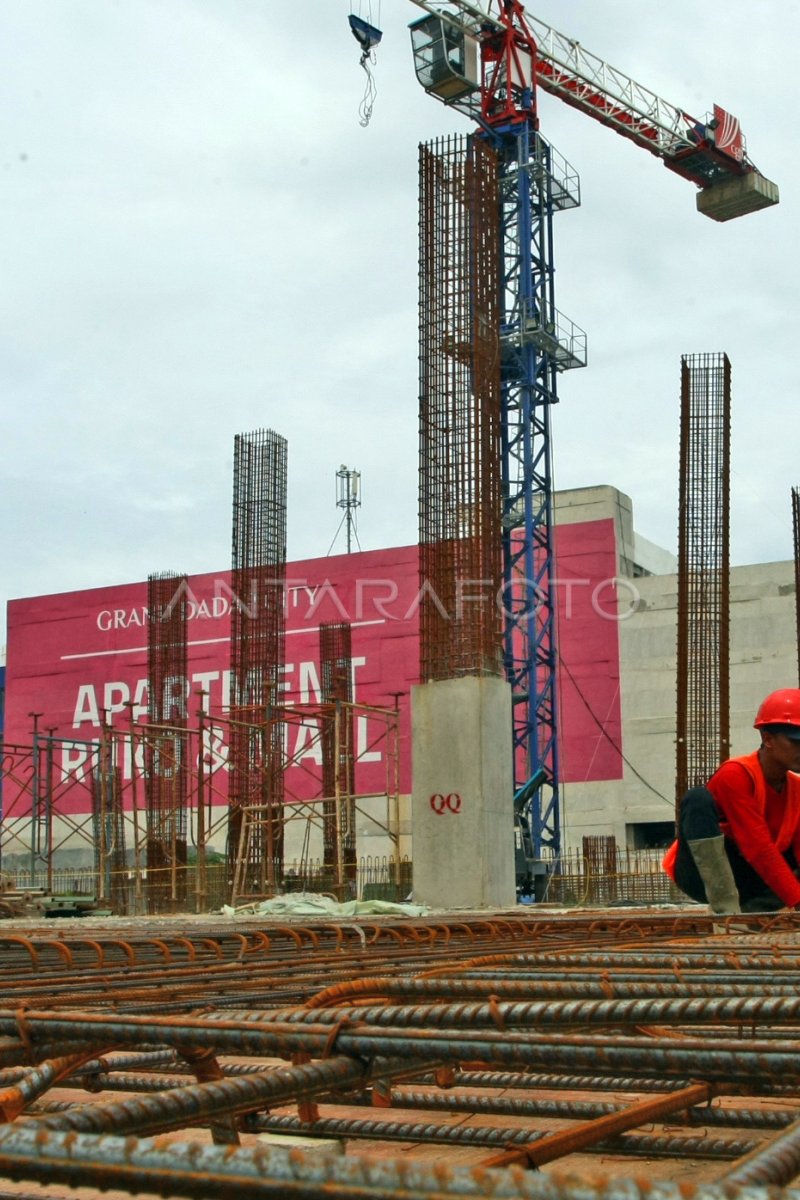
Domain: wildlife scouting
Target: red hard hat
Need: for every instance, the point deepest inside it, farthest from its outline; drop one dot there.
(779, 708)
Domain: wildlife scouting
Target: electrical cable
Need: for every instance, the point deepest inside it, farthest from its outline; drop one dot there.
(609, 738)
(370, 91)
(600, 725)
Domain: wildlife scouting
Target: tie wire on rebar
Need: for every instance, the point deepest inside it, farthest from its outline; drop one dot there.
(110, 1034)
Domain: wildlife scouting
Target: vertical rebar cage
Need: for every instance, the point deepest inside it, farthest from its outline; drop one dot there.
(338, 785)
(460, 498)
(703, 674)
(108, 828)
(258, 580)
(165, 769)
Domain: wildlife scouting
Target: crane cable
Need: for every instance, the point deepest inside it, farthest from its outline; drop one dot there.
(370, 91)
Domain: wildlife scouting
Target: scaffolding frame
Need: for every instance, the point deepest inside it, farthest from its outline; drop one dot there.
(328, 730)
(102, 804)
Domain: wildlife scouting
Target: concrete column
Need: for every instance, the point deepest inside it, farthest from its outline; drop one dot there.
(462, 791)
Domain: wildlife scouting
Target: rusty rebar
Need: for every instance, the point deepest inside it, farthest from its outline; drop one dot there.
(776, 1163)
(255, 1173)
(338, 758)
(420, 1015)
(258, 575)
(637, 1145)
(703, 671)
(460, 527)
(166, 749)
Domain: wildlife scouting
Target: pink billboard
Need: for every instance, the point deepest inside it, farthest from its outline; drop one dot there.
(78, 659)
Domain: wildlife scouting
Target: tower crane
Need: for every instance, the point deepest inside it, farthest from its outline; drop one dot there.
(496, 63)
(487, 59)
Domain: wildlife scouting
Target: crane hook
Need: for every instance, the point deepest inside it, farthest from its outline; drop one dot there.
(368, 36)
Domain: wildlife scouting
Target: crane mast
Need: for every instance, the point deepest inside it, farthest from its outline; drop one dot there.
(486, 59)
(485, 66)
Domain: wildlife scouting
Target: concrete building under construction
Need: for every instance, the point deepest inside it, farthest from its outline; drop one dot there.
(79, 660)
(533, 669)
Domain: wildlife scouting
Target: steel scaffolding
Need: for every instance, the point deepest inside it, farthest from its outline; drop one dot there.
(92, 801)
(703, 674)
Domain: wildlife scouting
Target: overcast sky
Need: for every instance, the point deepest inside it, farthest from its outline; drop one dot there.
(199, 239)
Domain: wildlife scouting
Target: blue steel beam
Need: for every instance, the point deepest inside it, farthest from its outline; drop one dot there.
(536, 344)
(532, 358)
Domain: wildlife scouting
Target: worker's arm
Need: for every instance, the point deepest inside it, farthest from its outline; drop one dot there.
(733, 791)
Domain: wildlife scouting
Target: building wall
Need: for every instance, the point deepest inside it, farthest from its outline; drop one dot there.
(80, 659)
(763, 658)
(71, 655)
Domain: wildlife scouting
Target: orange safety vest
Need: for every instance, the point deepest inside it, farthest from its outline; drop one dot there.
(669, 860)
(791, 812)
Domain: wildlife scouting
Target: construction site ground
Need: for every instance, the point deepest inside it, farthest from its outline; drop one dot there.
(400, 1057)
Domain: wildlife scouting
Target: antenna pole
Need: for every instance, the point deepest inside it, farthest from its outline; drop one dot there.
(348, 497)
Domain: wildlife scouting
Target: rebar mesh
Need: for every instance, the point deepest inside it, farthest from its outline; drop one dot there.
(600, 859)
(165, 775)
(339, 813)
(703, 708)
(460, 402)
(257, 651)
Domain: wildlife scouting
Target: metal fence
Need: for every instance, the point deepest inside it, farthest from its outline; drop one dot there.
(377, 878)
(616, 877)
(619, 877)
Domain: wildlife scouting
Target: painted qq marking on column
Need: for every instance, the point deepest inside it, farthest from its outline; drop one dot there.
(449, 803)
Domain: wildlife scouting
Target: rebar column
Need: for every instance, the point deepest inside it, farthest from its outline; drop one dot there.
(460, 498)
(258, 576)
(338, 806)
(166, 782)
(703, 701)
(600, 866)
(108, 826)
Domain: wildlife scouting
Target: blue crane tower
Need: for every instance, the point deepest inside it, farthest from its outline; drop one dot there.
(487, 58)
(488, 72)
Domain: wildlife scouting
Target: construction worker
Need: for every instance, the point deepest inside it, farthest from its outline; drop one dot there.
(738, 846)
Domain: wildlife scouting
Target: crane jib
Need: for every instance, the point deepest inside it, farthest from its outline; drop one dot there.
(710, 153)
